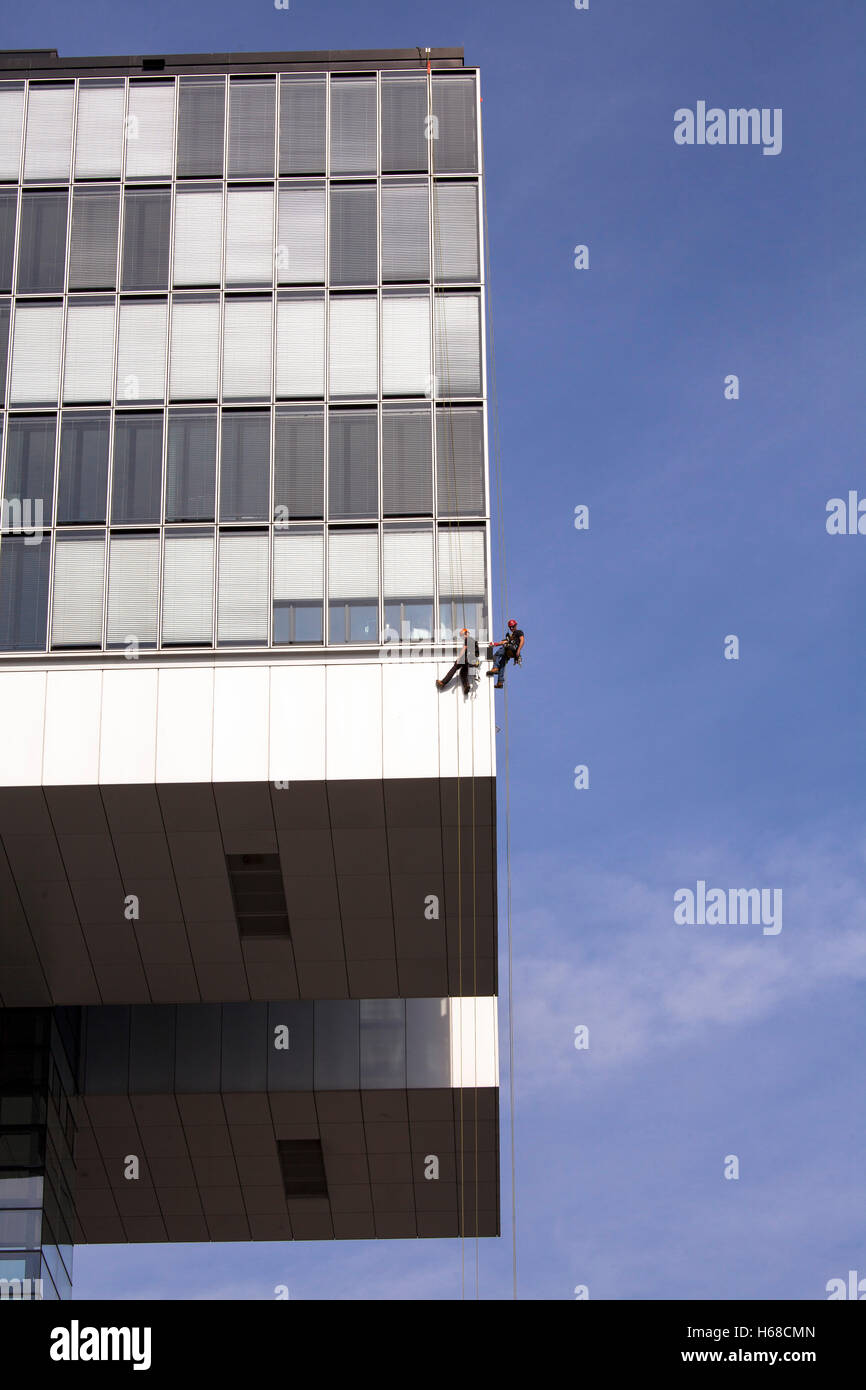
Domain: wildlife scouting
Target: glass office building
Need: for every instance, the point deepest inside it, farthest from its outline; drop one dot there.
(243, 469)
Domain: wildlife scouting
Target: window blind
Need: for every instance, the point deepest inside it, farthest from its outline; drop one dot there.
(249, 236)
(460, 462)
(141, 341)
(353, 125)
(299, 567)
(42, 243)
(48, 138)
(302, 125)
(353, 464)
(79, 579)
(30, 462)
(407, 558)
(150, 130)
(454, 106)
(301, 235)
(404, 132)
(187, 590)
(8, 215)
(461, 562)
(99, 130)
(198, 222)
(252, 112)
(243, 590)
(301, 348)
(353, 234)
(93, 241)
(89, 364)
(190, 487)
(405, 232)
(146, 233)
(194, 369)
(36, 354)
(23, 595)
(82, 488)
(200, 127)
(455, 232)
(299, 464)
(405, 345)
(353, 366)
(353, 565)
(4, 345)
(245, 455)
(136, 490)
(458, 345)
(11, 127)
(407, 463)
(247, 349)
(133, 586)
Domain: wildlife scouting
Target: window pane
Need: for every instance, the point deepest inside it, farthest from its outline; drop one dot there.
(244, 467)
(454, 148)
(146, 227)
(150, 130)
(300, 255)
(30, 465)
(187, 589)
(455, 231)
(99, 135)
(48, 142)
(302, 125)
(195, 336)
(301, 348)
(83, 483)
(460, 462)
(198, 223)
(407, 463)
(79, 574)
(36, 354)
(141, 350)
(353, 125)
(353, 586)
(354, 356)
(353, 234)
(201, 123)
(404, 129)
(42, 244)
(8, 214)
(89, 365)
(405, 232)
(458, 345)
(93, 249)
(249, 236)
(353, 455)
(4, 345)
(23, 594)
(133, 574)
(243, 590)
(252, 108)
(408, 582)
(299, 585)
(191, 482)
(462, 578)
(137, 474)
(406, 345)
(247, 349)
(11, 128)
(299, 465)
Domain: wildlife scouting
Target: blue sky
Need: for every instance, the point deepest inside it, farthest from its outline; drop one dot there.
(707, 518)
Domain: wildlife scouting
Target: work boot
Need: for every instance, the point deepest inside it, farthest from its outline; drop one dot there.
(494, 672)
(441, 685)
(499, 686)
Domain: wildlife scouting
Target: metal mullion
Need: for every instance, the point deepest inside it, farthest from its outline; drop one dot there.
(219, 422)
(326, 384)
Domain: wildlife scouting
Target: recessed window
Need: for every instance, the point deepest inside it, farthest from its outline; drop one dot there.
(259, 897)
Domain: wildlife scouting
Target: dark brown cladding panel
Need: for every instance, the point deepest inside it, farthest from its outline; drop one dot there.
(38, 63)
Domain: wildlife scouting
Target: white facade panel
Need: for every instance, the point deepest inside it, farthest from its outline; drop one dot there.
(128, 703)
(184, 737)
(410, 720)
(298, 724)
(241, 724)
(72, 716)
(22, 719)
(474, 1042)
(354, 735)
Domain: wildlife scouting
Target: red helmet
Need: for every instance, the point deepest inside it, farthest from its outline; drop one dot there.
(512, 622)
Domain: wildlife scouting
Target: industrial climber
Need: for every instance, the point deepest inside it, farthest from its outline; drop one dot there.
(467, 658)
(510, 648)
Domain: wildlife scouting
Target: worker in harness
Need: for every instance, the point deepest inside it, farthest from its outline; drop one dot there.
(511, 647)
(467, 658)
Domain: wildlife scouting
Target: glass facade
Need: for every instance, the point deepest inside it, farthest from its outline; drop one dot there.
(236, 406)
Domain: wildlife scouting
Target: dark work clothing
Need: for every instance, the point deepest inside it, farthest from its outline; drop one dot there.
(468, 655)
(512, 641)
(507, 652)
